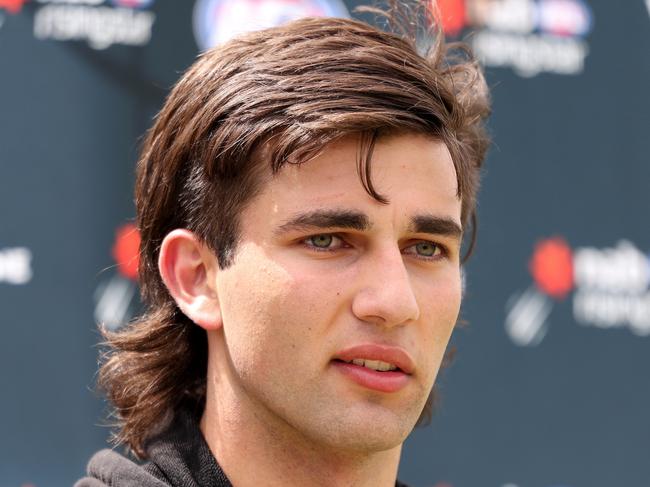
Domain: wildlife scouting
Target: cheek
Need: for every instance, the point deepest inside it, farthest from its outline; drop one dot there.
(445, 302)
(251, 293)
(269, 312)
(439, 314)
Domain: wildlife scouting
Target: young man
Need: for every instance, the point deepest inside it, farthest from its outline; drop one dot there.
(302, 198)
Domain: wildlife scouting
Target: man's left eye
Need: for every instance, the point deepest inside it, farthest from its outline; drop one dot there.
(425, 249)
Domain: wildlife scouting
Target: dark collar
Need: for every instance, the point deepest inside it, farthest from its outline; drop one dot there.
(181, 457)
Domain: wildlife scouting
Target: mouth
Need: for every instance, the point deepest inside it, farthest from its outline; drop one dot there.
(378, 357)
(377, 367)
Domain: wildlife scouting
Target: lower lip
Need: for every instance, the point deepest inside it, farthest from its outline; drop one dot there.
(389, 381)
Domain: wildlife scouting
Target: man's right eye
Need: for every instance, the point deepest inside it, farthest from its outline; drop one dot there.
(325, 242)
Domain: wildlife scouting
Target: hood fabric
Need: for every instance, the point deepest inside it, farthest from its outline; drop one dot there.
(179, 457)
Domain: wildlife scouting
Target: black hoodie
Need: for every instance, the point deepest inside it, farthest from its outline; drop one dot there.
(179, 457)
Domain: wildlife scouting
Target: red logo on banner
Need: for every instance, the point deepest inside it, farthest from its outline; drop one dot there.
(12, 6)
(552, 267)
(452, 15)
(126, 251)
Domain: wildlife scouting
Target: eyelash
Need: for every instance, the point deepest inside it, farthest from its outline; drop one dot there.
(439, 247)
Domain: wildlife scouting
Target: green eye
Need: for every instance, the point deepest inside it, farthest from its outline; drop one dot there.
(426, 249)
(321, 241)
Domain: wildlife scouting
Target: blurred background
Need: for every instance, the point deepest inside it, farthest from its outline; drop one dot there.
(550, 385)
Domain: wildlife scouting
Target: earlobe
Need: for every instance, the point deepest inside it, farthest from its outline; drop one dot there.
(188, 268)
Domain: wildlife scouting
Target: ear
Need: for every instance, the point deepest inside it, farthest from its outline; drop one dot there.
(188, 268)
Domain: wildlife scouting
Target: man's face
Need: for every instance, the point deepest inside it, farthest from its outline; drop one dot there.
(325, 274)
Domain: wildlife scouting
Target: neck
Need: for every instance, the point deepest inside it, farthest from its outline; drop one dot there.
(251, 443)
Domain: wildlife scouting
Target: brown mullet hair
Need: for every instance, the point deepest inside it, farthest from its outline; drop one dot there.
(255, 103)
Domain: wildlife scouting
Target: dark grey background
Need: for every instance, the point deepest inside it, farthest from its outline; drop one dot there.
(571, 159)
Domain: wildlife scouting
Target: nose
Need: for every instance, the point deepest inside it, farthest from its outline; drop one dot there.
(386, 296)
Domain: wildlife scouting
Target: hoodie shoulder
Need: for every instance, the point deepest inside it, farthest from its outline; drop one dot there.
(110, 469)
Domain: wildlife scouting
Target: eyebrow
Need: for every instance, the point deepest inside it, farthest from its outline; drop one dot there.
(356, 220)
(326, 219)
(436, 225)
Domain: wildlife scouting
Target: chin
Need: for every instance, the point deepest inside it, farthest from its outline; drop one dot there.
(365, 429)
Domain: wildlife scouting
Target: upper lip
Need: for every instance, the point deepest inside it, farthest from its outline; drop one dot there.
(375, 351)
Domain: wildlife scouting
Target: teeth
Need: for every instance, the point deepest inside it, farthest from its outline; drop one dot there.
(374, 364)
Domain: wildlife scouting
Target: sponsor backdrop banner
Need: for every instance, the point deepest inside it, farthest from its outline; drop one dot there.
(549, 387)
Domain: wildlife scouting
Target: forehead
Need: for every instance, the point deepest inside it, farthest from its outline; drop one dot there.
(410, 170)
